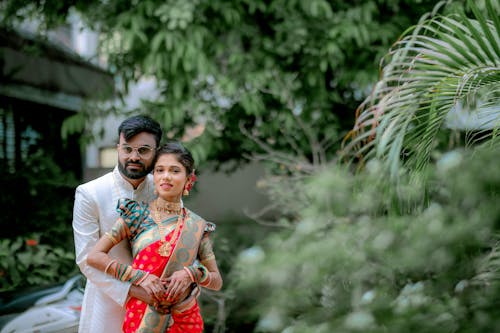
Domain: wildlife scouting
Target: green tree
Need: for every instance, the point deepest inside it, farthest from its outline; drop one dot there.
(276, 80)
(419, 255)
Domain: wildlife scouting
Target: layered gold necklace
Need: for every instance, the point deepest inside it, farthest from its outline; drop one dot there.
(170, 208)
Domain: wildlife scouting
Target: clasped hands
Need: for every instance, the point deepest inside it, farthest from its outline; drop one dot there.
(167, 292)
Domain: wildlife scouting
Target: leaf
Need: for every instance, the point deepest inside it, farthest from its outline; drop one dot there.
(72, 125)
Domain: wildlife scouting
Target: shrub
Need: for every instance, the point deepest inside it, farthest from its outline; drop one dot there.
(24, 262)
(365, 256)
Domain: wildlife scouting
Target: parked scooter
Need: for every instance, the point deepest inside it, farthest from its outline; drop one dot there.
(51, 310)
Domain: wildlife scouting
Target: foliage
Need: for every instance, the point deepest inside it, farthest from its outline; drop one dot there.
(273, 80)
(24, 262)
(442, 66)
(41, 202)
(356, 264)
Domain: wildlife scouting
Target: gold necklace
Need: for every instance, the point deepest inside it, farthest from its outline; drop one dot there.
(168, 206)
(166, 248)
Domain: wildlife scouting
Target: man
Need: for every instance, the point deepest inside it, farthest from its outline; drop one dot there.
(94, 213)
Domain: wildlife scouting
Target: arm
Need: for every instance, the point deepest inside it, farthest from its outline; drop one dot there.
(206, 253)
(86, 231)
(99, 258)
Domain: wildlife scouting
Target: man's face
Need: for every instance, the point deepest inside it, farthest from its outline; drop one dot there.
(135, 157)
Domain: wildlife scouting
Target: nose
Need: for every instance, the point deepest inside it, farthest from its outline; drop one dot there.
(135, 154)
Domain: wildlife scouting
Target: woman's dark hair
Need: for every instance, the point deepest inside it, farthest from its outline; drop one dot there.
(184, 156)
(138, 124)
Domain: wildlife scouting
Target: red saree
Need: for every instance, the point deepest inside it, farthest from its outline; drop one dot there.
(143, 235)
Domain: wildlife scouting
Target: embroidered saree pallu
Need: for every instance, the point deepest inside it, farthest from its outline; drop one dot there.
(185, 239)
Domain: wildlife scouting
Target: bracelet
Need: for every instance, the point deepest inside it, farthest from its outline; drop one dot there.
(204, 274)
(111, 238)
(138, 276)
(121, 272)
(126, 273)
(206, 282)
(188, 271)
(141, 280)
(109, 265)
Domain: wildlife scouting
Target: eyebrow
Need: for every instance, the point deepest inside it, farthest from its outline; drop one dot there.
(169, 166)
(141, 146)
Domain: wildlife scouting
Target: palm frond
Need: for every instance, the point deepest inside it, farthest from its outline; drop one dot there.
(443, 63)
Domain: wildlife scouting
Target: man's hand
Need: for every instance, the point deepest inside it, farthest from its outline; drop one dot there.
(141, 294)
(153, 286)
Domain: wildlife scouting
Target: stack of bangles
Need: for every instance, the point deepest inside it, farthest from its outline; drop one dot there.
(198, 274)
(126, 273)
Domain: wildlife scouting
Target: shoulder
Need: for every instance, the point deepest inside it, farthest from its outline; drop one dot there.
(90, 192)
(96, 184)
(209, 226)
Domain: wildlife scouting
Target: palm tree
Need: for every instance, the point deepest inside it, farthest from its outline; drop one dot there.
(442, 65)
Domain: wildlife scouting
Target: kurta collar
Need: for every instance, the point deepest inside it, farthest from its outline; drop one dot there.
(123, 183)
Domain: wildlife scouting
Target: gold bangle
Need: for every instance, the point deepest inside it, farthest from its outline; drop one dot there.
(138, 282)
(191, 277)
(111, 238)
(109, 265)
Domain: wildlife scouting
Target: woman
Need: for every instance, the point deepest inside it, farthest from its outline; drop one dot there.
(171, 248)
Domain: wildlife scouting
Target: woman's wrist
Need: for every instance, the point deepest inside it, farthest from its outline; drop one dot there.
(126, 273)
(197, 274)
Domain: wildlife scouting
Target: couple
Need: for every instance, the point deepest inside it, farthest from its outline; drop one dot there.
(144, 254)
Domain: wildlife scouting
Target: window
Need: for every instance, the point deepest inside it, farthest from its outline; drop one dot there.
(108, 157)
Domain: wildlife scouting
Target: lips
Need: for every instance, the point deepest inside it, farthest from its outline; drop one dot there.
(135, 165)
(166, 186)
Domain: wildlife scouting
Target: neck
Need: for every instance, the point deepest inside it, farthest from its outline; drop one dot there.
(164, 201)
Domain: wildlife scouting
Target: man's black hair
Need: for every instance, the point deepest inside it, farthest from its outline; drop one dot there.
(138, 124)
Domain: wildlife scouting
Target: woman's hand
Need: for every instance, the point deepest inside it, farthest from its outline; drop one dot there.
(177, 284)
(153, 286)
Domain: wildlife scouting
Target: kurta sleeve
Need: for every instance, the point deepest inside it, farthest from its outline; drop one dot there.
(86, 232)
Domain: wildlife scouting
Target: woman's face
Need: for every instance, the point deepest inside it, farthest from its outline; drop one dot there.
(169, 176)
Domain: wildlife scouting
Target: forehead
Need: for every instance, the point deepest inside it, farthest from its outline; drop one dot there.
(168, 160)
(141, 139)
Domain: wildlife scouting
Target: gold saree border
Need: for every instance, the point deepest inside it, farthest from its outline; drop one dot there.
(184, 254)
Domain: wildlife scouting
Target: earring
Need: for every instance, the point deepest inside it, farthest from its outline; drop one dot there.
(155, 192)
(186, 192)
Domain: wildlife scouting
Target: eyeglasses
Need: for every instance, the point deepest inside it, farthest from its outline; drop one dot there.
(142, 151)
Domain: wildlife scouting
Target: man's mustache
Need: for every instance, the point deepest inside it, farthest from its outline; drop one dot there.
(134, 163)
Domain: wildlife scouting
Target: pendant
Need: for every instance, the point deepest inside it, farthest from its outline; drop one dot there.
(165, 249)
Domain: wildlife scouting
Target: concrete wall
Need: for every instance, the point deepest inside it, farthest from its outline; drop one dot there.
(218, 195)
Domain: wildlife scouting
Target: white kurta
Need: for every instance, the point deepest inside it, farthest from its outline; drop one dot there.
(94, 213)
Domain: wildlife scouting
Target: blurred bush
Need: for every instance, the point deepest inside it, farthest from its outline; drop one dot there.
(39, 200)
(24, 262)
(365, 256)
(36, 247)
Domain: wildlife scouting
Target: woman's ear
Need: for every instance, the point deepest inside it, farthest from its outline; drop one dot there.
(191, 178)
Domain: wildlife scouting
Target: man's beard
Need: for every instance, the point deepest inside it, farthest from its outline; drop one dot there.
(134, 174)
